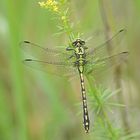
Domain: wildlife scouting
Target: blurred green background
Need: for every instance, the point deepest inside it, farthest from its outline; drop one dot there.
(39, 106)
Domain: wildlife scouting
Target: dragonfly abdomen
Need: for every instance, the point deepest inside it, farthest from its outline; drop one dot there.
(85, 109)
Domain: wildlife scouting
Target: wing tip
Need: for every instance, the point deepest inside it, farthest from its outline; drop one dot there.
(26, 41)
(125, 52)
(28, 59)
(122, 30)
(22, 43)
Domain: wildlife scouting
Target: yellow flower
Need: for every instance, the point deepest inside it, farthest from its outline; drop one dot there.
(42, 4)
(50, 4)
(55, 8)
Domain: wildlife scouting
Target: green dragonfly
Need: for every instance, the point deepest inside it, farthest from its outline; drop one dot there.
(77, 58)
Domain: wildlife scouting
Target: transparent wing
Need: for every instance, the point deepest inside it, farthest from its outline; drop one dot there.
(58, 68)
(102, 49)
(50, 55)
(56, 61)
(97, 67)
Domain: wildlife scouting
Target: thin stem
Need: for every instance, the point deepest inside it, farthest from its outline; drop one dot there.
(67, 27)
(104, 115)
(117, 72)
(61, 11)
(106, 24)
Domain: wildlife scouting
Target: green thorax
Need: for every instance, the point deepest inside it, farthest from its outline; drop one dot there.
(80, 54)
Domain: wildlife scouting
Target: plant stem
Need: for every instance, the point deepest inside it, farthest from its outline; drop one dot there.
(117, 71)
(104, 117)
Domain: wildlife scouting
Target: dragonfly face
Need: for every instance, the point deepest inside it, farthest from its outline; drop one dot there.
(78, 43)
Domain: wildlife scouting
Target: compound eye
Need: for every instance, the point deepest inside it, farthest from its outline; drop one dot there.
(74, 43)
(83, 42)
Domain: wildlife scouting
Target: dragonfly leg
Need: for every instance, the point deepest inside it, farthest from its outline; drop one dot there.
(71, 57)
(69, 49)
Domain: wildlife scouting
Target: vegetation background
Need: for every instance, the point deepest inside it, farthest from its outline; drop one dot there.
(39, 106)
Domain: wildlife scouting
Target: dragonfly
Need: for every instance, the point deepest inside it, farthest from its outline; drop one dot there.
(76, 58)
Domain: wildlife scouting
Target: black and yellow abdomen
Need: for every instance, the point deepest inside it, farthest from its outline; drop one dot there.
(85, 109)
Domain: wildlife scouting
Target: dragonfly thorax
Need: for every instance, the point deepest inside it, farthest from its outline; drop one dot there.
(79, 50)
(79, 46)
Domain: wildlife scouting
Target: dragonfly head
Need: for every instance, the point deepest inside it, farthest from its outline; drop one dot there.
(78, 42)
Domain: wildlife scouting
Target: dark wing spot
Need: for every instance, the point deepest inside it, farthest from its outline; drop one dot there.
(26, 41)
(28, 59)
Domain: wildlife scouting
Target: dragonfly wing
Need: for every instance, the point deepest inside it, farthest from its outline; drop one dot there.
(55, 61)
(102, 49)
(57, 68)
(100, 66)
(46, 54)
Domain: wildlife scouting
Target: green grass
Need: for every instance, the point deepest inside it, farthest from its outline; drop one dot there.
(39, 106)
